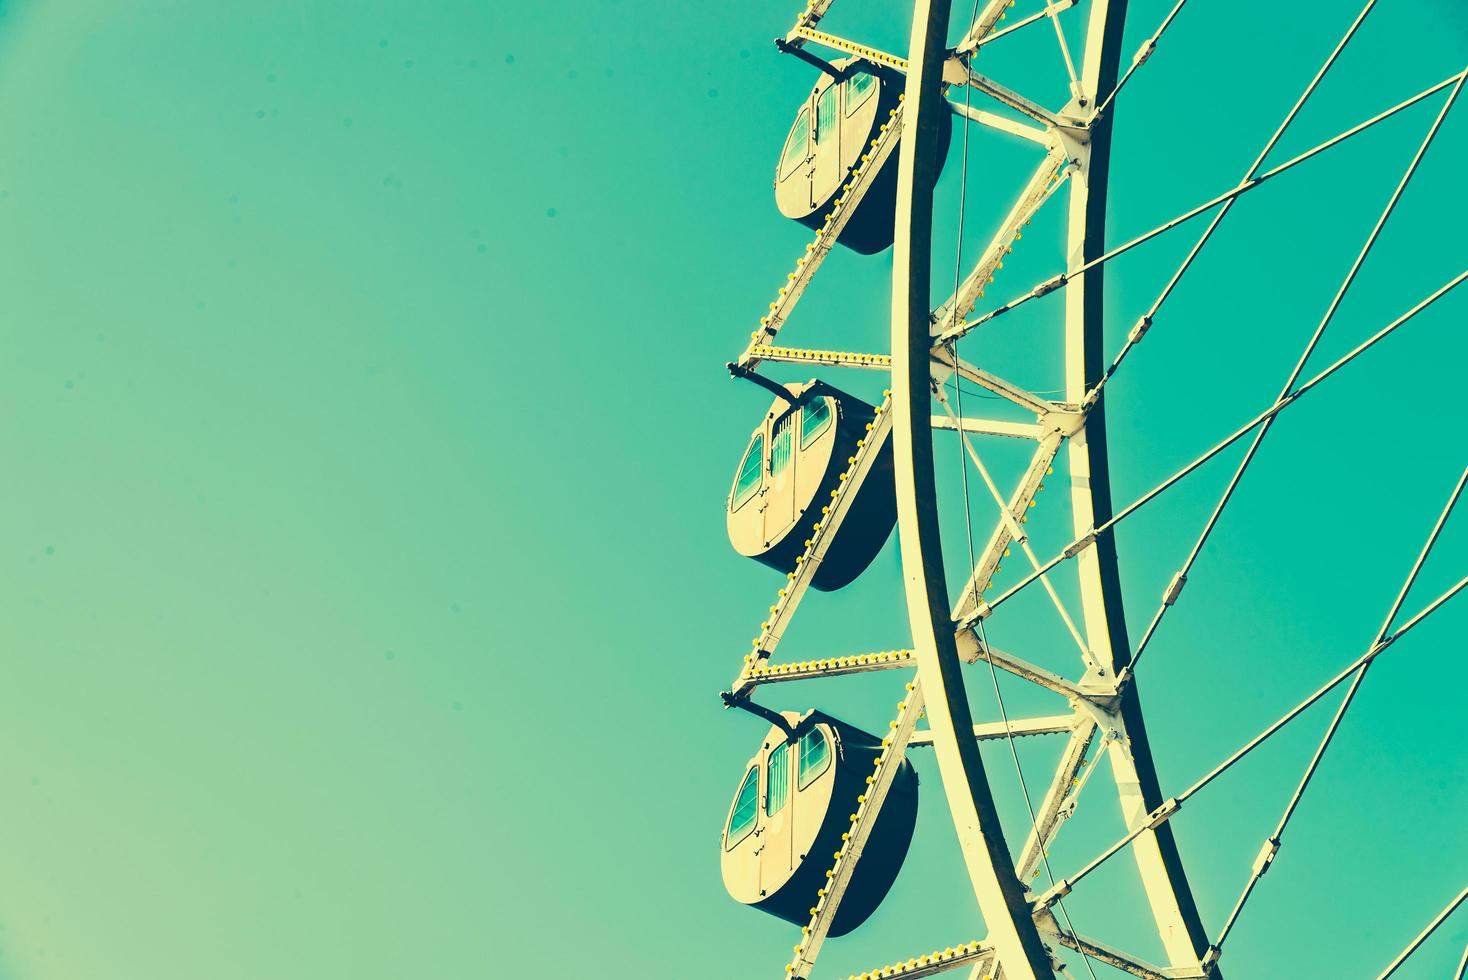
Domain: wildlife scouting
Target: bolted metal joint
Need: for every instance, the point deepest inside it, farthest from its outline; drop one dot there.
(1174, 589)
(1081, 544)
(1139, 329)
(1049, 285)
(1266, 856)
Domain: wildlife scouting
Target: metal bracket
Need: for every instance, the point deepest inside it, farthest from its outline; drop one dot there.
(799, 51)
(779, 390)
(759, 710)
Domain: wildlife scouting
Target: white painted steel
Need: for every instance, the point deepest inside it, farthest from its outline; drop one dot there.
(1000, 896)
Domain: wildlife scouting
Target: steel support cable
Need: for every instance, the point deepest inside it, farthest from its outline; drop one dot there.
(1050, 285)
(1335, 303)
(1422, 938)
(1170, 807)
(1085, 541)
(1145, 322)
(1462, 965)
(1272, 843)
(1140, 58)
(1003, 508)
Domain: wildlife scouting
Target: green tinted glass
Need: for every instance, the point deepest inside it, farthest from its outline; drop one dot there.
(797, 145)
(749, 471)
(814, 755)
(814, 419)
(780, 445)
(859, 88)
(778, 789)
(826, 114)
(741, 821)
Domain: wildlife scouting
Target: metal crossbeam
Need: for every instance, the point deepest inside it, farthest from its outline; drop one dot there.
(1012, 522)
(1125, 962)
(811, 16)
(1003, 124)
(1038, 190)
(978, 955)
(855, 188)
(946, 363)
(1059, 801)
(807, 33)
(970, 600)
(825, 667)
(867, 806)
(983, 24)
(822, 358)
(1005, 96)
(993, 36)
(990, 730)
(971, 650)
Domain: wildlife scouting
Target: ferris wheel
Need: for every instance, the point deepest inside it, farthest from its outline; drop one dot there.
(823, 814)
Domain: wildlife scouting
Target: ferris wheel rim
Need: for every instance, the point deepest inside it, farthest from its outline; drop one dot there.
(1012, 927)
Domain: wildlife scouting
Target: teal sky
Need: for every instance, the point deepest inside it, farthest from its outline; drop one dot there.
(364, 590)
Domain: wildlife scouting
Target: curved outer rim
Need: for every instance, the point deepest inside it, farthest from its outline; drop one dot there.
(1001, 897)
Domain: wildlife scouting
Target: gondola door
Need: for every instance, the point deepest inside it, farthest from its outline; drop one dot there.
(779, 825)
(779, 499)
(826, 165)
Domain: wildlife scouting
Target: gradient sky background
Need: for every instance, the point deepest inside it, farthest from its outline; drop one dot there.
(364, 592)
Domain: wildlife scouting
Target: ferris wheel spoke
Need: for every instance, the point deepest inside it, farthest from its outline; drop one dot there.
(1143, 53)
(1144, 323)
(1088, 539)
(1173, 590)
(1422, 936)
(1171, 806)
(1049, 285)
(991, 427)
(1272, 843)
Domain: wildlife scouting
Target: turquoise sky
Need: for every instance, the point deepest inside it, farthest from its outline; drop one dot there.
(364, 590)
